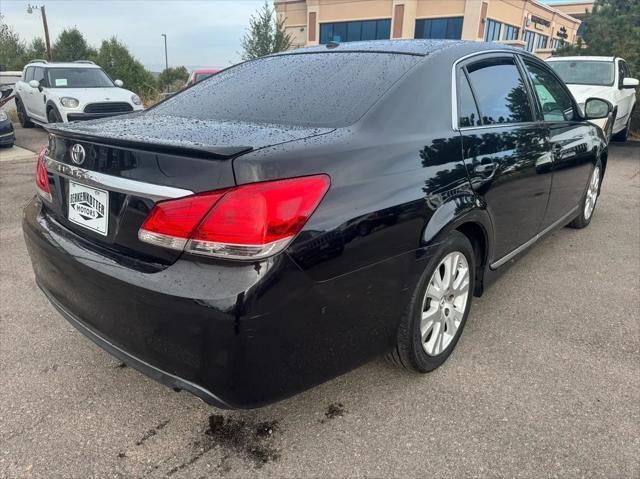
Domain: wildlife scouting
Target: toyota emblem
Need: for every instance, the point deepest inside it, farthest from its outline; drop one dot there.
(78, 154)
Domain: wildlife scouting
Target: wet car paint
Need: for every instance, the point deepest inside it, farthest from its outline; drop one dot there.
(401, 179)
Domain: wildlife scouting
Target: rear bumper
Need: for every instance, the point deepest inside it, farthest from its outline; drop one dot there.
(237, 335)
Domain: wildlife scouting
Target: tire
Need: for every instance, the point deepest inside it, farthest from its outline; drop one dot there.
(23, 118)
(53, 116)
(416, 347)
(589, 199)
(622, 135)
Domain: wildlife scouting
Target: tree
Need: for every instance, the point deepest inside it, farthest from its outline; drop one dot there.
(172, 78)
(12, 48)
(36, 49)
(71, 46)
(115, 59)
(266, 34)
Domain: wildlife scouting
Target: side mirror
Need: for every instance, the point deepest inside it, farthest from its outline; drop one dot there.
(630, 82)
(596, 108)
(119, 83)
(34, 84)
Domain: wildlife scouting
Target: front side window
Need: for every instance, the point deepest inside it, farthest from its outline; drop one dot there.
(78, 78)
(355, 31)
(202, 76)
(584, 72)
(38, 74)
(439, 28)
(492, 31)
(553, 99)
(28, 74)
(499, 91)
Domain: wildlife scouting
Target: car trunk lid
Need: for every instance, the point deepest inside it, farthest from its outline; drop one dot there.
(122, 167)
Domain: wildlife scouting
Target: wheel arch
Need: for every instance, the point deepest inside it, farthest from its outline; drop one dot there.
(465, 215)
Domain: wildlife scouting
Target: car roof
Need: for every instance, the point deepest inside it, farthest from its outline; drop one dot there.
(80, 64)
(206, 70)
(585, 58)
(408, 47)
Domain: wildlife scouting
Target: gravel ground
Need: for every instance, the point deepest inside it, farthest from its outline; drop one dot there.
(544, 383)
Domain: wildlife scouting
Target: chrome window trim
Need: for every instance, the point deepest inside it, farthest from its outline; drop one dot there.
(454, 91)
(114, 183)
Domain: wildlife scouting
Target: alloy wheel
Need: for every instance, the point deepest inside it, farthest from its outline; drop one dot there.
(444, 303)
(592, 193)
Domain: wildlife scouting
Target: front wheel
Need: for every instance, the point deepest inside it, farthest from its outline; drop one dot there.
(23, 118)
(438, 310)
(589, 200)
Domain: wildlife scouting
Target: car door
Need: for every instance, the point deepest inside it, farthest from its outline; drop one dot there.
(26, 92)
(39, 98)
(626, 96)
(503, 148)
(570, 139)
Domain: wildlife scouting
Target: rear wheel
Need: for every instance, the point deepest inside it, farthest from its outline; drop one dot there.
(23, 118)
(589, 200)
(438, 309)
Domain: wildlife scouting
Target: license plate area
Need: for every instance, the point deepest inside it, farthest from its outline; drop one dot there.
(88, 207)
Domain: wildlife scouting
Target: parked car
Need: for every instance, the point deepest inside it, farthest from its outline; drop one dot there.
(197, 75)
(7, 136)
(246, 246)
(602, 77)
(64, 92)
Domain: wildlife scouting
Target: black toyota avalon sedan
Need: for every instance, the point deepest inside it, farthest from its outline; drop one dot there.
(295, 216)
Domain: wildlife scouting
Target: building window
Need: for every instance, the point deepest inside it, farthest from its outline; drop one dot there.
(511, 32)
(439, 28)
(555, 43)
(529, 39)
(492, 31)
(355, 31)
(541, 41)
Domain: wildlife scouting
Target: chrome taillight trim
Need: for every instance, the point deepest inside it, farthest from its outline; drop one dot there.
(114, 183)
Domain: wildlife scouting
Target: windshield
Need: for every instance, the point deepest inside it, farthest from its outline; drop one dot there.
(584, 72)
(202, 76)
(78, 78)
(313, 90)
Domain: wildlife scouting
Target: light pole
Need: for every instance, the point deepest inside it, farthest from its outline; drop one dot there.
(166, 61)
(30, 9)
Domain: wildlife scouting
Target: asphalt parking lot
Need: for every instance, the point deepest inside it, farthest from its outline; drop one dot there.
(545, 381)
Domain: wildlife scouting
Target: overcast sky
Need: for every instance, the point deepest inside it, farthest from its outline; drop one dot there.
(199, 33)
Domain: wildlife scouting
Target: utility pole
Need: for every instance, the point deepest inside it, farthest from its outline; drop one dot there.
(166, 61)
(30, 9)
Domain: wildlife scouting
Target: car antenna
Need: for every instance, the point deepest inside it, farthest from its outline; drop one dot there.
(333, 44)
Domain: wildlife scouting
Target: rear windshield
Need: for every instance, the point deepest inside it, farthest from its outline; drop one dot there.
(319, 89)
(584, 72)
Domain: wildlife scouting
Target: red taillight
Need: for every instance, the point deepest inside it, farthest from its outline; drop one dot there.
(42, 180)
(247, 222)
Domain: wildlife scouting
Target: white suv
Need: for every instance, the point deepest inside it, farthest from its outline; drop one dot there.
(601, 77)
(62, 92)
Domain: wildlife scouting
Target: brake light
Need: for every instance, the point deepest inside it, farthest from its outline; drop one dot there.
(42, 180)
(247, 222)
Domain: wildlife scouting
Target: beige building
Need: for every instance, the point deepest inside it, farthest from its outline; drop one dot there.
(529, 24)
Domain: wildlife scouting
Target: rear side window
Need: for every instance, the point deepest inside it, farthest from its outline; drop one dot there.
(316, 89)
(467, 111)
(500, 91)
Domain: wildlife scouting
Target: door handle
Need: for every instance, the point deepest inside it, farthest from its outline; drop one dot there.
(485, 168)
